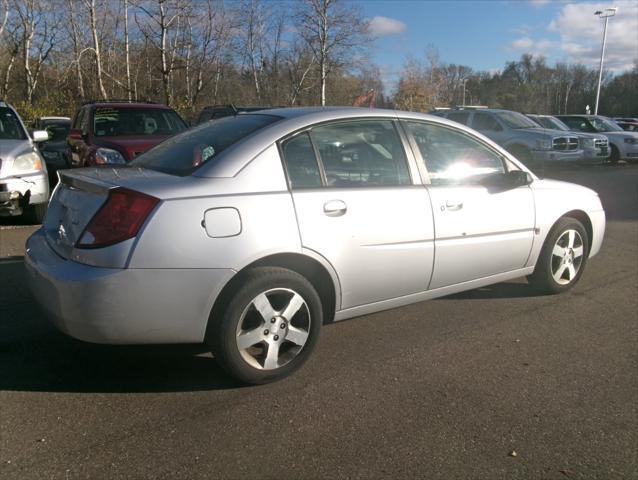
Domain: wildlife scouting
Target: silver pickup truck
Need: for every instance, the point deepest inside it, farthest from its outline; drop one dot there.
(24, 183)
(595, 146)
(525, 139)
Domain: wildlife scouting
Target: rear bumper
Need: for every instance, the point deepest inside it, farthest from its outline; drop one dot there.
(122, 306)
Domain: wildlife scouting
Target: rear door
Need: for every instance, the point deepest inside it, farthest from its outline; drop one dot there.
(479, 231)
(359, 208)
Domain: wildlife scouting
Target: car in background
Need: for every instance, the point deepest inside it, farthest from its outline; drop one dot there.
(115, 132)
(215, 112)
(251, 232)
(24, 184)
(595, 146)
(519, 135)
(624, 145)
(54, 149)
(627, 124)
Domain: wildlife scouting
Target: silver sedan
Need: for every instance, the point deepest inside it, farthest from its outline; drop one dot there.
(250, 232)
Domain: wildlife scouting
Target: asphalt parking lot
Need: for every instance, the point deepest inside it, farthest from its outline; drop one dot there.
(449, 388)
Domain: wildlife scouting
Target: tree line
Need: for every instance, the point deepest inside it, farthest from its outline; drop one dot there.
(528, 85)
(54, 54)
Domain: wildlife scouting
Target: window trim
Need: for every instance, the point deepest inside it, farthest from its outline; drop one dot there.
(398, 128)
(421, 162)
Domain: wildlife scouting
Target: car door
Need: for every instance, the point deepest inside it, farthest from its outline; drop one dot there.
(358, 206)
(480, 230)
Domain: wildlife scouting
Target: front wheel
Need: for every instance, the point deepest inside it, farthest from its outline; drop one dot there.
(268, 327)
(37, 212)
(562, 258)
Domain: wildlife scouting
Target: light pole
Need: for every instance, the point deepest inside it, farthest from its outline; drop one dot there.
(606, 13)
(464, 82)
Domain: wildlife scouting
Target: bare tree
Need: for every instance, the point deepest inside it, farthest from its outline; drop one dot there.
(35, 31)
(333, 31)
(162, 29)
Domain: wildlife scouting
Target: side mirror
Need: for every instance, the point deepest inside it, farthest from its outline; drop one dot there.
(507, 181)
(40, 136)
(75, 134)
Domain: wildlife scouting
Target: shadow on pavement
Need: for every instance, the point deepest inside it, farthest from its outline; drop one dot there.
(34, 356)
(499, 290)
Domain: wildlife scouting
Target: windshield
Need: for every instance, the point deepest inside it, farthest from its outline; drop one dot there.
(601, 124)
(10, 128)
(516, 120)
(128, 121)
(553, 123)
(182, 154)
(57, 129)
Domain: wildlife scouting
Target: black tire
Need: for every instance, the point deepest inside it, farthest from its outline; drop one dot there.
(523, 155)
(615, 155)
(249, 365)
(37, 212)
(549, 264)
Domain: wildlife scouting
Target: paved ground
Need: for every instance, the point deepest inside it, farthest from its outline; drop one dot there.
(442, 389)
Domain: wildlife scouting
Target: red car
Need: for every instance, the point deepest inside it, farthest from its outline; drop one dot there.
(114, 133)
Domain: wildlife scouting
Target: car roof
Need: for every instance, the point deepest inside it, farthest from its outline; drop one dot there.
(54, 118)
(128, 105)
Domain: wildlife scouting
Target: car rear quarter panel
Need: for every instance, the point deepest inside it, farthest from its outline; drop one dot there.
(176, 237)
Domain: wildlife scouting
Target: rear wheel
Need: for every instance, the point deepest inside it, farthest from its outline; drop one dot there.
(268, 327)
(562, 258)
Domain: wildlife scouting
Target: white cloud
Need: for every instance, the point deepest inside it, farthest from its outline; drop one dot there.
(523, 43)
(581, 34)
(539, 3)
(527, 45)
(384, 26)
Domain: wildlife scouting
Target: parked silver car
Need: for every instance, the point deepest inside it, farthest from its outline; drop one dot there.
(520, 135)
(24, 185)
(595, 146)
(250, 232)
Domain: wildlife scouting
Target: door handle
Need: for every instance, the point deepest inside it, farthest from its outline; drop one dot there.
(335, 208)
(454, 204)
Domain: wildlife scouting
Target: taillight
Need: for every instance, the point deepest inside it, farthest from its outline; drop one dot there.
(119, 219)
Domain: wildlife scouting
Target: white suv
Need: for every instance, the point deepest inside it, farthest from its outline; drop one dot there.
(24, 184)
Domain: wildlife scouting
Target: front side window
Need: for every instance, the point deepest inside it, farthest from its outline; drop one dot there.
(183, 153)
(10, 128)
(452, 157)
(364, 153)
(485, 122)
(117, 122)
(460, 117)
(301, 164)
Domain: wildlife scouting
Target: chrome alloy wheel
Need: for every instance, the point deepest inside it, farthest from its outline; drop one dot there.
(273, 328)
(567, 257)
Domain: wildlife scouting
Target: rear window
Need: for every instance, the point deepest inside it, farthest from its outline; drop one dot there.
(182, 154)
(119, 122)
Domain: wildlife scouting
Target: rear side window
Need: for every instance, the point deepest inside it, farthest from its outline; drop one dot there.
(301, 163)
(452, 157)
(183, 153)
(365, 153)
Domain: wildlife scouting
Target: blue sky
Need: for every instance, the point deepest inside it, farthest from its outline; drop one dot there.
(486, 34)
